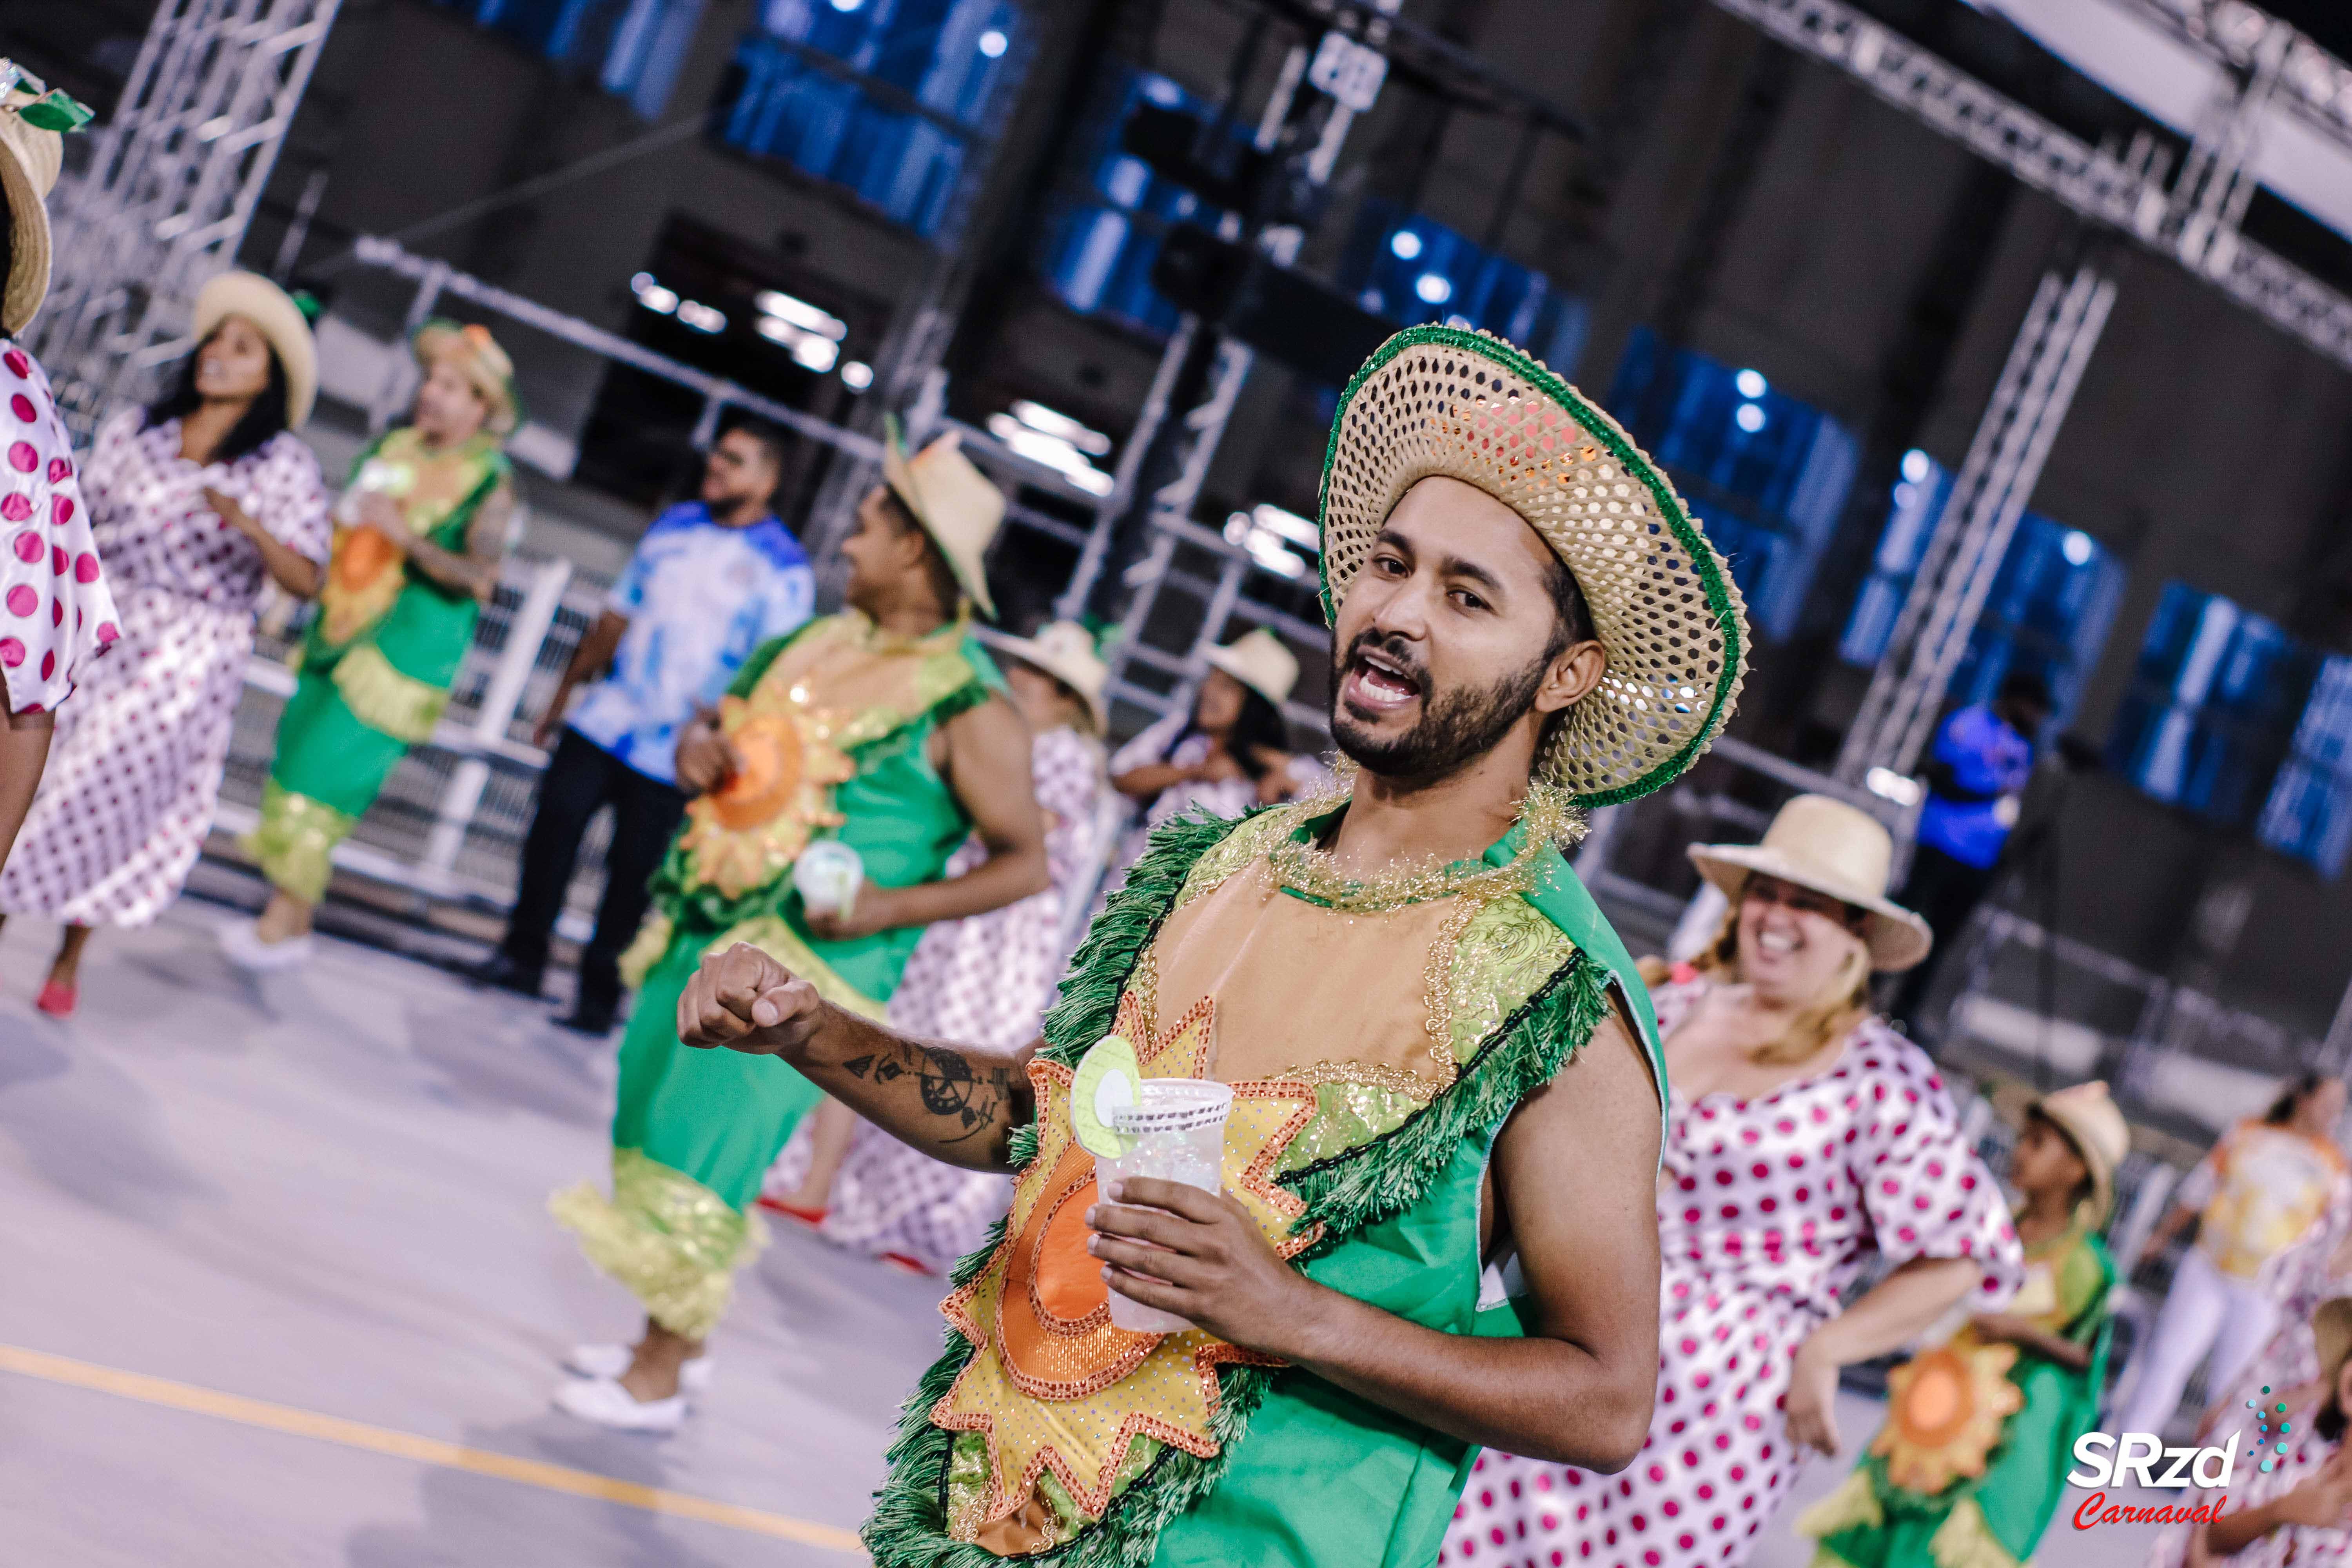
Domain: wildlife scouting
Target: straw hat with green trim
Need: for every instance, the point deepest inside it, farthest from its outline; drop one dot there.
(29, 160)
(954, 501)
(1470, 407)
(477, 357)
(280, 318)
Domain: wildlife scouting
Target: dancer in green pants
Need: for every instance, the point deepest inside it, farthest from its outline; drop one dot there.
(418, 538)
(883, 728)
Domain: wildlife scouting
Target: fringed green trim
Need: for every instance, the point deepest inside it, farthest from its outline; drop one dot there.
(1347, 1193)
(1853, 1506)
(385, 701)
(294, 841)
(1966, 1540)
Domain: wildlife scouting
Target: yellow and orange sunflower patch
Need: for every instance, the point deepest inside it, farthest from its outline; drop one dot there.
(747, 831)
(1944, 1411)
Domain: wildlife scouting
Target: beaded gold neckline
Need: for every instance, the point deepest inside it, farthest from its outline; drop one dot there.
(1546, 817)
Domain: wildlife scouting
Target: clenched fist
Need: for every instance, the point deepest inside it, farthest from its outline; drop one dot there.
(746, 1001)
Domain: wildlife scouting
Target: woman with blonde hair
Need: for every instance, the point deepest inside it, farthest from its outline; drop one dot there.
(420, 533)
(1804, 1135)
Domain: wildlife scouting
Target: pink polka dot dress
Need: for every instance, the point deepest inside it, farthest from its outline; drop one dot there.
(56, 612)
(1767, 1210)
(135, 768)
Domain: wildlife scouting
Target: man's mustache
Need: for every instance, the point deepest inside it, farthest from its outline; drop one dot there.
(1397, 650)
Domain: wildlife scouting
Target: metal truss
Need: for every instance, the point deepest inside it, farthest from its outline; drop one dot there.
(2126, 193)
(171, 184)
(2234, 35)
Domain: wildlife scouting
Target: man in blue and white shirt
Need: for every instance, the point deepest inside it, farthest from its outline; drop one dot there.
(711, 580)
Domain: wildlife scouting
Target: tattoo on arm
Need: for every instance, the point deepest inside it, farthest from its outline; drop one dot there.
(970, 1097)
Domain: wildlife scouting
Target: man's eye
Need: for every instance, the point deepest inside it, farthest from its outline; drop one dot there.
(1468, 600)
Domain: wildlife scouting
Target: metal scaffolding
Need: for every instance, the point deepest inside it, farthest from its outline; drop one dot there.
(173, 181)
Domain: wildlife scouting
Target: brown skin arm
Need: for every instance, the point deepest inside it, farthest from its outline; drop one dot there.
(476, 571)
(987, 766)
(589, 658)
(2028, 1336)
(956, 1103)
(2322, 1500)
(1576, 1391)
(288, 568)
(1146, 782)
(23, 753)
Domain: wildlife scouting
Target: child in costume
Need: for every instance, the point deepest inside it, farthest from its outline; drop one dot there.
(2297, 1513)
(1979, 1435)
(419, 536)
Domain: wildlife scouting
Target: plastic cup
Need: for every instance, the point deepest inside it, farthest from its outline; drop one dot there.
(828, 875)
(1176, 1126)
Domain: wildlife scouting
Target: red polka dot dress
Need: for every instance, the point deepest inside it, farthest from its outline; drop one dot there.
(135, 768)
(56, 612)
(1767, 1209)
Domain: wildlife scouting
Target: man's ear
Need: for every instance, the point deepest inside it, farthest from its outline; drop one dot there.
(1572, 676)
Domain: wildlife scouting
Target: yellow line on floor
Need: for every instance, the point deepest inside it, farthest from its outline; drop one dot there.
(423, 1450)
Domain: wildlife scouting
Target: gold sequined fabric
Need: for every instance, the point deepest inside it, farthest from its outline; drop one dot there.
(385, 701)
(672, 1242)
(1467, 405)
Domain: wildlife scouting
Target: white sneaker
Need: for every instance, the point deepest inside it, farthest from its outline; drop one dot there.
(612, 1361)
(241, 941)
(604, 1402)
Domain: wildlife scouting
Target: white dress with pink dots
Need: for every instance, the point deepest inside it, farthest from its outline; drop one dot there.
(56, 613)
(135, 769)
(1767, 1210)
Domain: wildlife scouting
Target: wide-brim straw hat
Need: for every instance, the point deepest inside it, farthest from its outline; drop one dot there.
(280, 318)
(1065, 651)
(1470, 407)
(2086, 1113)
(30, 158)
(1834, 848)
(483, 363)
(955, 503)
(1259, 660)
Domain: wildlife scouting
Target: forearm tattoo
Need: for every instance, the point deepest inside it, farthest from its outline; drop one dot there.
(973, 1096)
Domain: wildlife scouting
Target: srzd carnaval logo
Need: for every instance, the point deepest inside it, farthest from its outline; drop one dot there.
(2107, 1457)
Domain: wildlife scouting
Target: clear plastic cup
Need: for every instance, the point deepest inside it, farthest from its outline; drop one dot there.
(1178, 1128)
(828, 875)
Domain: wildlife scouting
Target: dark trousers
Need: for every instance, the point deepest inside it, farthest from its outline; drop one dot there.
(1945, 892)
(581, 778)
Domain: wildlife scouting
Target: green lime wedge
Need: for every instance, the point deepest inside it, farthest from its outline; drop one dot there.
(1108, 1075)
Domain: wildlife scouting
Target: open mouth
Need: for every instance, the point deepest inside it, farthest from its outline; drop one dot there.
(1378, 682)
(1775, 943)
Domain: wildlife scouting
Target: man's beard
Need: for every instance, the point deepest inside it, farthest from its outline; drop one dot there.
(1456, 728)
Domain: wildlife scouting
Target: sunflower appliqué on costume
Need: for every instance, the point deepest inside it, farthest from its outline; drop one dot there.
(363, 570)
(1946, 1408)
(1060, 1400)
(743, 835)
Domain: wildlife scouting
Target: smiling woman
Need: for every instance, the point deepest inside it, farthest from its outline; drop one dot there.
(1804, 1135)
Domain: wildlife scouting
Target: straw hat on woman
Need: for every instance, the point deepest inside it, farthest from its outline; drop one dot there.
(1805, 1138)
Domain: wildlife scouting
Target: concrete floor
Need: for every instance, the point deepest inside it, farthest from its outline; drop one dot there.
(325, 1190)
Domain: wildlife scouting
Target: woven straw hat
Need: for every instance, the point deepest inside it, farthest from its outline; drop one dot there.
(29, 160)
(1065, 651)
(2088, 1117)
(1831, 847)
(281, 320)
(2331, 1334)
(481, 361)
(1470, 407)
(1259, 660)
(955, 503)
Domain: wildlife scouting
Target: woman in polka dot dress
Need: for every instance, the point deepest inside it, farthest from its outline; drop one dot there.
(1804, 1135)
(196, 502)
(55, 611)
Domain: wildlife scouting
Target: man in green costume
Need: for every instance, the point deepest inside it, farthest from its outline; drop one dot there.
(884, 729)
(1438, 1228)
(418, 538)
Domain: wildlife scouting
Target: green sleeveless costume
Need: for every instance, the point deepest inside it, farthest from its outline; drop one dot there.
(1381, 1189)
(377, 662)
(694, 1131)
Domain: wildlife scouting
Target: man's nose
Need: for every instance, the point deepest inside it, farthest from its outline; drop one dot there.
(1403, 613)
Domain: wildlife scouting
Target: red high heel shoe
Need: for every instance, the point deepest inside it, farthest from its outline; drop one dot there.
(793, 1212)
(57, 1001)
